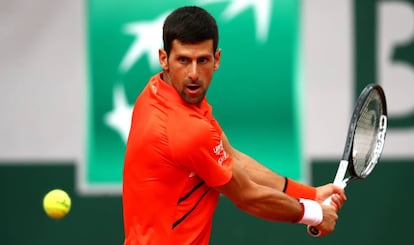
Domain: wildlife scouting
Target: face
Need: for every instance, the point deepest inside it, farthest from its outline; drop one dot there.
(189, 68)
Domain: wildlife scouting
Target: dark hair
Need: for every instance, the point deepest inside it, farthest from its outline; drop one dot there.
(189, 24)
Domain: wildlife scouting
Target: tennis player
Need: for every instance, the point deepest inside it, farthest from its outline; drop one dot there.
(178, 159)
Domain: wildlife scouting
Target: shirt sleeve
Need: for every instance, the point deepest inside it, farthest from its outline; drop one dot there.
(199, 149)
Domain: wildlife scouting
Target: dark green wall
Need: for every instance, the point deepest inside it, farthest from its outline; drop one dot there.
(92, 220)
(377, 212)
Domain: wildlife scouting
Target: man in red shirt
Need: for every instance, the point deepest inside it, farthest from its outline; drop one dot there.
(178, 159)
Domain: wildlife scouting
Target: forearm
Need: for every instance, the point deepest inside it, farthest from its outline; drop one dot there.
(264, 176)
(260, 200)
(259, 173)
(286, 209)
(263, 193)
(272, 205)
(265, 202)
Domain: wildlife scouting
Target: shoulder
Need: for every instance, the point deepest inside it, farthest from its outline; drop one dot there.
(190, 127)
(188, 131)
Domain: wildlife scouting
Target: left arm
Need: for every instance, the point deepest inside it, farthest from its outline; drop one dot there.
(256, 171)
(264, 176)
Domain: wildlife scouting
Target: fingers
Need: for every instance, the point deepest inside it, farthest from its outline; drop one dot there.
(328, 191)
(338, 197)
(337, 202)
(324, 232)
(340, 191)
(329, 220)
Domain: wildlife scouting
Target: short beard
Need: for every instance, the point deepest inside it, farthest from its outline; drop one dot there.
(193, 100)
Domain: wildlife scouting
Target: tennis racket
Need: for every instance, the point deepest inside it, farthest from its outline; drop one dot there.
(364, 142)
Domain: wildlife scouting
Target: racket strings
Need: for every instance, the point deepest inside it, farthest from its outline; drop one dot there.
(366, 131)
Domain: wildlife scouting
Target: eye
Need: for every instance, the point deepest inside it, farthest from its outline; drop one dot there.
(203, 60)
(183, 60)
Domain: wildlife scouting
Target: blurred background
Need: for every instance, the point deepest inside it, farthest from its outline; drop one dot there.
(291, 71)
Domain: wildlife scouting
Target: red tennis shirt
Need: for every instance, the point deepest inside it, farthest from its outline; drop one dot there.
(174, 156)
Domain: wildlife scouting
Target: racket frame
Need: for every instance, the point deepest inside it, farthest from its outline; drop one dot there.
(349, 154)
(346, 165)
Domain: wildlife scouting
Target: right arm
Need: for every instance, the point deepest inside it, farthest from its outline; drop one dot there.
(265, 199)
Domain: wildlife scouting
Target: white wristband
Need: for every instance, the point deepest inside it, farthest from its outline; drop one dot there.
(312, 213)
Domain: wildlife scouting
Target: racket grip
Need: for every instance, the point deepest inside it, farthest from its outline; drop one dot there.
(312, 230)
(327, 201)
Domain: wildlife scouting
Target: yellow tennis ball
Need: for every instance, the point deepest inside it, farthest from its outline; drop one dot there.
(56, 203)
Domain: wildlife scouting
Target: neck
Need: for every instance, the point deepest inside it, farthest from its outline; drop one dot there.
(166, 78)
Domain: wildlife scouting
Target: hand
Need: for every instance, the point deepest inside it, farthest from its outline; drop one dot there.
(337, 195)
(328, 223)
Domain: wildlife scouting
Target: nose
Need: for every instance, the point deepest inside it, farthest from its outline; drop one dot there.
(193, 71)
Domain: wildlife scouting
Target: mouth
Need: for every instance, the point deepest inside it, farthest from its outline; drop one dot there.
(193, 88)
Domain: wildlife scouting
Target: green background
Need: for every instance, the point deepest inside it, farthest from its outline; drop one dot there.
(255, 93)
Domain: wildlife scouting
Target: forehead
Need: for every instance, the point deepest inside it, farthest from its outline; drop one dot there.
(203, 48)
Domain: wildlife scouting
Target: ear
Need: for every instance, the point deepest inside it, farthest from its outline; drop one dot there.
(163, 59)
(217, 56)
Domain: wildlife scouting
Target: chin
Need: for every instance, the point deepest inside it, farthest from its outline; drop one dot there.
(194, 101)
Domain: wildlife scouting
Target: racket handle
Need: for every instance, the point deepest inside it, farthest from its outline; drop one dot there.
(327, 201)
(338, 181)
(312, 230)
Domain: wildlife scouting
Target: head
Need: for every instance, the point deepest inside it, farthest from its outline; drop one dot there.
(190, 55)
